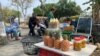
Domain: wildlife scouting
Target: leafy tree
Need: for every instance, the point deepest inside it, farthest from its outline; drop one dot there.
(1, 12)
(6, 12)
(63, 8)
(42, 6)
(23, 5)
(38, 10)
(48, 7)
(68, 8)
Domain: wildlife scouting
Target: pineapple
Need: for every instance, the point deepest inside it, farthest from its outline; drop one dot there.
(57, 41)
(54, 22)
(51, 41)
(45, 38)
(65, 43)
(69, 28)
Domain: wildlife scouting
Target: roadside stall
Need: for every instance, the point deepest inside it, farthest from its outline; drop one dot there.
(46, 51)
(57, 44)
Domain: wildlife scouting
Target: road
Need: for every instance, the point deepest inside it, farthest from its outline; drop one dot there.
(14, 48)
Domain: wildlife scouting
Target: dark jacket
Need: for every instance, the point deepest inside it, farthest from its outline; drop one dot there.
(32, 21)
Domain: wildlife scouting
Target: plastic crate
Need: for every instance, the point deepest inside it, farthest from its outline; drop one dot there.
(44, 52)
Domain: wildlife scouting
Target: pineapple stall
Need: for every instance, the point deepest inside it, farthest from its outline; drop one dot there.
(57, 44)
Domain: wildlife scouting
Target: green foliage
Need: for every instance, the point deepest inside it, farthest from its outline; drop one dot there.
(39, 11)
(16, 13)
(67, 8)
(9, 12)
(63, 8)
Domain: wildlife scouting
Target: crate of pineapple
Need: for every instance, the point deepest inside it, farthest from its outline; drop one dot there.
(44, 52)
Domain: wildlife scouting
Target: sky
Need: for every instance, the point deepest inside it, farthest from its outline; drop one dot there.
(37, 3)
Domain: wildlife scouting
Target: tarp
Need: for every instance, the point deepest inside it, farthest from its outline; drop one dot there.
(2, 28)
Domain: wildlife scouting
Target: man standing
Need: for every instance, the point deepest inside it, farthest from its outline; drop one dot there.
(50, 15)
(32, 23)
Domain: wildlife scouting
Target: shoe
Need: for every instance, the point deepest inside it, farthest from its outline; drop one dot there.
(17, 39)
(33, 34)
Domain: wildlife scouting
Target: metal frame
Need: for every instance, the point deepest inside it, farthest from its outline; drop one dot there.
(90, 23)
(88, 35)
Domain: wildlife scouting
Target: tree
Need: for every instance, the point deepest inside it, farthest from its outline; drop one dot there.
(95, 4)
(67, 8)
(38, 10)
(23, 5)
(63, 8)
(9, 12)
(42, 6)
(1, 12)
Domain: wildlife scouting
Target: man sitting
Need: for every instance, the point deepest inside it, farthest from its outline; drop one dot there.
(13, 28)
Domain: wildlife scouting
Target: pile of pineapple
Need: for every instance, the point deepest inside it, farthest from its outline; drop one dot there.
(54, 23)
(54, 40)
